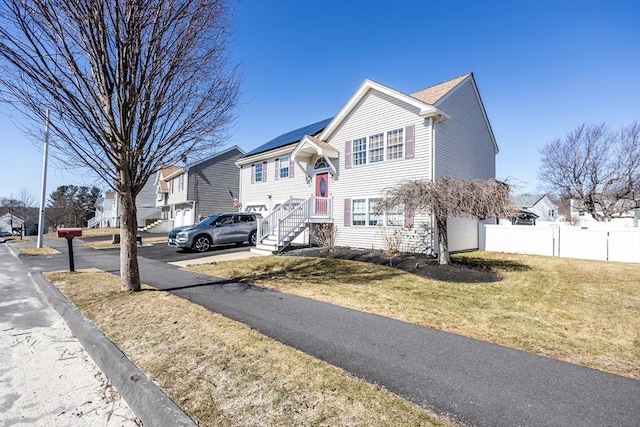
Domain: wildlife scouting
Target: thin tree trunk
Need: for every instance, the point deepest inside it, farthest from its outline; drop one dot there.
(443, 241)
(129, 270)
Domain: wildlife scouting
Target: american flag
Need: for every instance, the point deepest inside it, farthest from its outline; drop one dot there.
(235, 200)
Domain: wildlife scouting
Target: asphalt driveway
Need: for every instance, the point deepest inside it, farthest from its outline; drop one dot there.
(165, 253)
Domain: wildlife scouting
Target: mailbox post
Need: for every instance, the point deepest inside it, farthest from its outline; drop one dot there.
(69, 234)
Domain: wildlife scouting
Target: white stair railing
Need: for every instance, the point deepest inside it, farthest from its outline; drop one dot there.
(295, 221)
(289, 219)
(269, 223)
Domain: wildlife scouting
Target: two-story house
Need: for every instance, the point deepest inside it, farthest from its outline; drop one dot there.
(187, 194)
(335, 170)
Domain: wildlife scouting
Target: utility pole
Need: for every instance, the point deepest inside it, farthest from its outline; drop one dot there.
(43, 192)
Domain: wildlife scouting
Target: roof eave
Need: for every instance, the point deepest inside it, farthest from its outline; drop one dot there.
(264, 155)
(425, 110)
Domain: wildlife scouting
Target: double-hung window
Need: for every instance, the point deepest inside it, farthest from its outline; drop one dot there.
(181, 183)
(393, 219)
(375, 218)
(360, 151)
(364, 213)
(284, 167)
(395, 144)
(359, 212)
(376, 148)
(257, 172)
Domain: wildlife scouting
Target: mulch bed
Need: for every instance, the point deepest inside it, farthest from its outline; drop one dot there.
(419, 264)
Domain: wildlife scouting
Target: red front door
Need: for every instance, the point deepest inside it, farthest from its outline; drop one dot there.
(322, 193)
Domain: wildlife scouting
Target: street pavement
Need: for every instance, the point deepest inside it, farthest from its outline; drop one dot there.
(470, 381)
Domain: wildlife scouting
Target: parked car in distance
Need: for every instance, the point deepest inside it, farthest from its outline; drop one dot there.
(216, 229)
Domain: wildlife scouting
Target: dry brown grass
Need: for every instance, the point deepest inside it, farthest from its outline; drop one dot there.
(32, 250)
(584, 312)
(223, 373)
(109, 231)
(105, 244)
(90, 232)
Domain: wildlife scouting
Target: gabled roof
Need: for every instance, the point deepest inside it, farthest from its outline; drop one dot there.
(163, 174)
(433, 94)
(425, 110)
(214, 155)
(291, 137)
(169, 170)
(311, 144)
(527, 200)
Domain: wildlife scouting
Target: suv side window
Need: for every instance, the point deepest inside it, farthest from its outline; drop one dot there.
(247, 218)
(225, 220)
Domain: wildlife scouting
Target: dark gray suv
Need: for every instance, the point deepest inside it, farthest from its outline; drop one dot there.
(217, 229)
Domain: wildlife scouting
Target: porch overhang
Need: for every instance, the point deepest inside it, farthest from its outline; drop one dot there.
(310, 146)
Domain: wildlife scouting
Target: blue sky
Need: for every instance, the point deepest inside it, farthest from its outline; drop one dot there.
(542, 68)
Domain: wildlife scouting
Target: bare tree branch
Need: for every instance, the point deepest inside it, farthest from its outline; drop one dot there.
(596, 166)
(447, 198)
(131, 86)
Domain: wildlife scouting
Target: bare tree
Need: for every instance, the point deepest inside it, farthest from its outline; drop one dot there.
(596, 166)
(130, 85)
(450, 198)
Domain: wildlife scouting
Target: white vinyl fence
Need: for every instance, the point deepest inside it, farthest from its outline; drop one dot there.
(607, 244)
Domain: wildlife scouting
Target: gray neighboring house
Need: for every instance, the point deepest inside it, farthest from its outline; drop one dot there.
(186, 195)
(538, 207)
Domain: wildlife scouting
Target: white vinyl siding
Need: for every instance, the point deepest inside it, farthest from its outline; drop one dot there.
(280, 190)
(464, 148)
(377, 114)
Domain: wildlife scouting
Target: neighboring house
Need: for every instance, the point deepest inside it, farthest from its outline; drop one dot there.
(9, 223)
(106, 211)
(534, 207)
(334, 171)
(186, 195)
(579, 215)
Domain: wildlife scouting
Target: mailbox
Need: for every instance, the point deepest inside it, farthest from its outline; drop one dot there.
(69, 233)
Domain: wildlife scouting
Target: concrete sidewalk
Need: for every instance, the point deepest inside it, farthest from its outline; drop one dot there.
(470, 381)
(47, 376)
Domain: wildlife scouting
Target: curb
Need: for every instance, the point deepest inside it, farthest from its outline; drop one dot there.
(145, 399)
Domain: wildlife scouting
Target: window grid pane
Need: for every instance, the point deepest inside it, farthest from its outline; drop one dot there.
(360, 151)
(258, 172)
(375, 219)
(394, 219)
(376, 148)
(284, 167)
(359, 212)
(395, 144)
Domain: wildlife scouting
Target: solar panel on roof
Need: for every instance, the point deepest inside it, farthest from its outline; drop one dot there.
(291, 137)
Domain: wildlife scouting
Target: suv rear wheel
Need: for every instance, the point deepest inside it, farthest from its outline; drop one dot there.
(252, 238)
(201, 243)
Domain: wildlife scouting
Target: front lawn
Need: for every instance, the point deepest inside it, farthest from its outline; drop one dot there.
(579, 311)
(223, 373)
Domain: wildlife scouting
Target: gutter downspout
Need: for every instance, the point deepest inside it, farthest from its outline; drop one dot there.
(434, 238)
